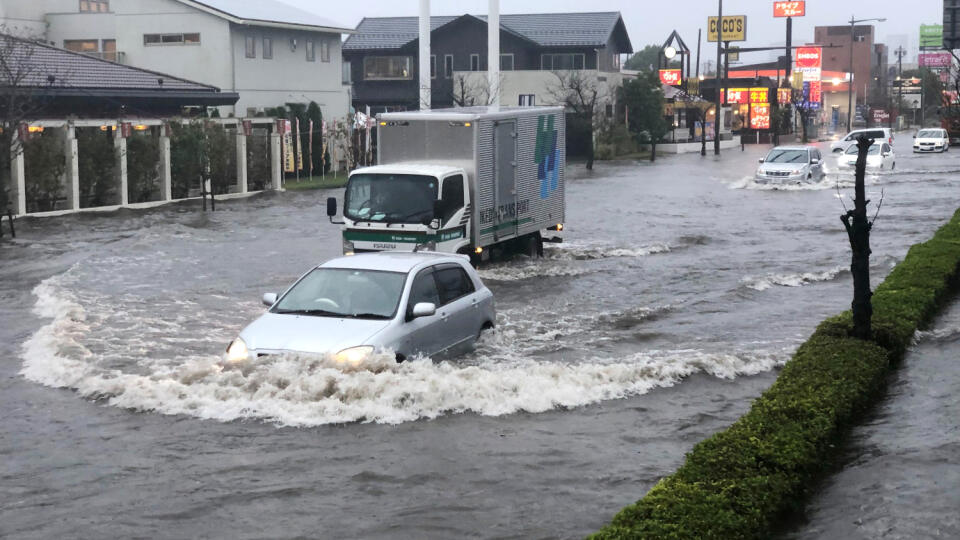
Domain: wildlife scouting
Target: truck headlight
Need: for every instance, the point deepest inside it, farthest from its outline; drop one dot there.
(237, 351)
(348, 247)
(354, 355)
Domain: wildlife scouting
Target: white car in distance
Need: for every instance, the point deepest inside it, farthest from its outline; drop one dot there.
(877, 134)
(931, 140)
(880, 156)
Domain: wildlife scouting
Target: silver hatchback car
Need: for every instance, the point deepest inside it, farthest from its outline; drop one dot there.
(353, 307)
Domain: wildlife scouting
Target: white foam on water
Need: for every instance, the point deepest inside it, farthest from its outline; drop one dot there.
(575, 251)
(792, 280)
(525, 268)
(302, 390)
(830, 181)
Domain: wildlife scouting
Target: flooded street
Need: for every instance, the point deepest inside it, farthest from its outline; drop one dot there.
(681, 288)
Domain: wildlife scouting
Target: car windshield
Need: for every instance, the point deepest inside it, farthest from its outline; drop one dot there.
(778, 155)
(929, 134)
(390, 198)
(337, 292)
(874, 150)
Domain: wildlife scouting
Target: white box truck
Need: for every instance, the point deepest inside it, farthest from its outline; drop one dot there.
(467, 180)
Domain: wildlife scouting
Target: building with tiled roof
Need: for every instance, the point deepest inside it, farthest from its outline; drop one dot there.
(381, 56)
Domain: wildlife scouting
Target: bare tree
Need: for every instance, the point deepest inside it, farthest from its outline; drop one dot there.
(584, 96)
(801, 104)
(858, 231)
(473, 89)
(21, 79)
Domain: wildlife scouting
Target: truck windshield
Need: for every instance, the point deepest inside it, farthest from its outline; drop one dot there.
(390, 198)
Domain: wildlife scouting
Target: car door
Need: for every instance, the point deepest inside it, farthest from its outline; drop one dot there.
(816, 169)
(888, 158)
(423, 335)
(459, 304)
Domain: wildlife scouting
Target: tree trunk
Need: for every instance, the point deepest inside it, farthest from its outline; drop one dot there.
(653, 150)
(858, 231)
(590, 149)
(703, 134)
(803, 126)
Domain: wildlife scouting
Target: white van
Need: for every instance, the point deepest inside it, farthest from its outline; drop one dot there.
(877, 134)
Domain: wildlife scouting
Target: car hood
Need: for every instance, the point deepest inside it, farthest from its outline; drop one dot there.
(310, 334)
(782, 167)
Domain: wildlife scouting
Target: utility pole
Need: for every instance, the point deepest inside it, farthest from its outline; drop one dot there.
(716, 118)
(699, 35)
(900, 54)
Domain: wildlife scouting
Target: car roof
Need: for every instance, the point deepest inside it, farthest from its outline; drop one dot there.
(793, 148)
(391, 261)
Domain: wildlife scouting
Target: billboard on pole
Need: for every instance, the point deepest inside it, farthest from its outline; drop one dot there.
(734, 28)
(810, 62)
(931, 35)
(670, 77)
(797, 8)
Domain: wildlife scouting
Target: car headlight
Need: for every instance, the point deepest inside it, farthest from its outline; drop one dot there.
(348, 247)
(354, 355)
(237, 351)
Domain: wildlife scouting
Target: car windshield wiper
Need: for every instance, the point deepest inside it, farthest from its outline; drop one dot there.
(311, 312)
(368, 316)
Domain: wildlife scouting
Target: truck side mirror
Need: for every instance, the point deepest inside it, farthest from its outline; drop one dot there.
(331, 207)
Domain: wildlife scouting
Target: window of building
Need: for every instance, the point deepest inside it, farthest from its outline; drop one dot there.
(109, 49)
(94, 6)
(448, 65)
(267, 48)
(311, 51)
(386, 67)
(506, 62)
(433, 66)
(346, 75)
(527, 100)
(324, 51)
(171, 39)
(251, 47)
(551, 62)
(81, 45)
(474, 62)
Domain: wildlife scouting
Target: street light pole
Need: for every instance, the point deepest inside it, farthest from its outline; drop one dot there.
(850, 88)
(716, 118)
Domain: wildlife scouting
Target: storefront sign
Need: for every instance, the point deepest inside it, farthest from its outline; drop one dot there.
(880, 115)
(810, 62)
(816, 91)
(789, 9)
(784, 95)
(737, 95)
(734, 28)
(935, 59)
(670, 77)
(759, 95)
(759, 116)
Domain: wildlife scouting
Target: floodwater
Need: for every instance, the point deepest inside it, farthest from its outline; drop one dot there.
(901, 471)
(680, 290)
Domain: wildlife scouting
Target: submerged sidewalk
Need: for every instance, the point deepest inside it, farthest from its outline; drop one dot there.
(900, 476)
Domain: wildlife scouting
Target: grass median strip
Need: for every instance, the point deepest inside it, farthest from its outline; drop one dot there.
(741, 482)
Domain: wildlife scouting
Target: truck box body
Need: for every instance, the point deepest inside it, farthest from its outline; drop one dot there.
(513, 158)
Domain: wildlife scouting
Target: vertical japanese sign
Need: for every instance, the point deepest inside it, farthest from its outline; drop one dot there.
(784, 95)
(759, 116)
(286, 138)
(299, 146)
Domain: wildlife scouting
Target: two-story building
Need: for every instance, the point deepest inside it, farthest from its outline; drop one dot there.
(268, 52)
(381, 58)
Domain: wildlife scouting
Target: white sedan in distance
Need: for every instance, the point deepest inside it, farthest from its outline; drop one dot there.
(880, 156)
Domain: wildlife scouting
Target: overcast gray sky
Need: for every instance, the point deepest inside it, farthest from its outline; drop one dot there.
(650, 21)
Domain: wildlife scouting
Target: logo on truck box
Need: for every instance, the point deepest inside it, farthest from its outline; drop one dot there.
(547, 155)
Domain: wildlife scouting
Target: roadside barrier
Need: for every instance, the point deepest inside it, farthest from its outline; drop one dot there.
(744, 481)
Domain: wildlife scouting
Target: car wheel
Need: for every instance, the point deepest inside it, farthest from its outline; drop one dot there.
(487, 326)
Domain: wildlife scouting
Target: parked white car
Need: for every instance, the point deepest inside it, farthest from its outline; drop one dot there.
(877, 134)
(791, 165)
(880, 156)
(357, 306)
(931, 140)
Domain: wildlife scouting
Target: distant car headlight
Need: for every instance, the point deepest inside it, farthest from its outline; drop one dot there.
(354, 355)
(237, 351)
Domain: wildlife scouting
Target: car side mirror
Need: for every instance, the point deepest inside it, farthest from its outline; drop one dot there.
(269, 299)
(914, 136)
(760, 160)
(424, 309)
(814, 161)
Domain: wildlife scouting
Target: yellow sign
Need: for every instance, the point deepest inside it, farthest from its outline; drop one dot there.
(734, 28)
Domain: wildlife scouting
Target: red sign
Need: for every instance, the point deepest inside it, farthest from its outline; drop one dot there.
(784, 95)
(670, 77)
(809, 57)
(935, 60)
(880, 115)
(790, 9)
(759, 95)
(737, 95)
(816, 92)
(759, 116)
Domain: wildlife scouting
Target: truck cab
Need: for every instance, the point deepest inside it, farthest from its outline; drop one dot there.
(407, 207)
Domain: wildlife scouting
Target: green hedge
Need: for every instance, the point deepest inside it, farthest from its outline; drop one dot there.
(741, 482)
